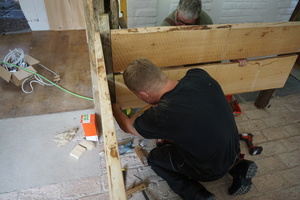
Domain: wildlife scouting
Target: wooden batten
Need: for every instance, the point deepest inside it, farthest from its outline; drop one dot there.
(257, 75)
(172, 46)
(113, 164)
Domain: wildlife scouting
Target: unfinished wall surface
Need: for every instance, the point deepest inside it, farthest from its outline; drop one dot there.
(148, 13)
(35, 13)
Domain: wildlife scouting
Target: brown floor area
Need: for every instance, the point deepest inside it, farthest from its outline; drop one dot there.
(66, 53)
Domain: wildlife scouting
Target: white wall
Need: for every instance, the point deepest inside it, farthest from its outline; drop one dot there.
(146, 13)
(143, 13)
(35, 13)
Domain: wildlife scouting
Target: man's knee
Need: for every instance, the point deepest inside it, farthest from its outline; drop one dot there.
(159, 155)
(152, 155)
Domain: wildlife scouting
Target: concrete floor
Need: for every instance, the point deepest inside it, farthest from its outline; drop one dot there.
(30, 156)
(33, 167)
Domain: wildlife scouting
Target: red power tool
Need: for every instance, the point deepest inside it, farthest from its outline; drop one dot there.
(253, 150)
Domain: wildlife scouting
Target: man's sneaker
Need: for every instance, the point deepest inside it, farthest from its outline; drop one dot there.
(242, 174)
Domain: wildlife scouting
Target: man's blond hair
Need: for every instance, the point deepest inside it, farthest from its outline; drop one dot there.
(142, 75)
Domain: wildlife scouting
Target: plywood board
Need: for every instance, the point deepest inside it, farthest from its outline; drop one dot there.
(256, 75)
(170, 46)
(65, 14)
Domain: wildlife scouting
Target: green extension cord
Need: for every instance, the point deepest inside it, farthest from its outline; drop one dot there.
(32, 72)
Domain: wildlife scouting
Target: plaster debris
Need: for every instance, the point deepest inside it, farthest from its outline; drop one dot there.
(62, 139)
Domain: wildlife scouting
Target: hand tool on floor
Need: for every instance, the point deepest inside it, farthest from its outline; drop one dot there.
(253, 150)
(142, 155)
(135, 189)
(144, 142)
(143, 191)
(234, 105)
(124, 172)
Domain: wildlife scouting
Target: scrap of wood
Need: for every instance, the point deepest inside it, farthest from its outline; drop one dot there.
(135, 190)
(182, 45)
(81, 148)
(261, 74)
(113, 164)
(87, 144)
(78, 151)
(141, 154)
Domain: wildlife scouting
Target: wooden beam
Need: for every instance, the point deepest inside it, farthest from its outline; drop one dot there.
(113, 165)
(261, 74)
(106, 44)
(182, 45)
(114, 8)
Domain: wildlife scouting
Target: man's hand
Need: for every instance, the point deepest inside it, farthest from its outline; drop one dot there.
(116, 107)
(242, 62)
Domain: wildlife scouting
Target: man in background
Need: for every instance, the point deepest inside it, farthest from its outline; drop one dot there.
(188, 12)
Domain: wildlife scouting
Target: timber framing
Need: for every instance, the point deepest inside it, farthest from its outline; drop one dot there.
(189, 46)
(102, 98)
(172, 46)
(259, 74)
(194, 45)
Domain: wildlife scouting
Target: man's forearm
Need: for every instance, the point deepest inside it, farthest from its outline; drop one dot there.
(125, 123)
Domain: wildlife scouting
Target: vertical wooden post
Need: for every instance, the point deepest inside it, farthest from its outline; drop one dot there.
(296, 17)
(263, 98)
(106, 44)
(114, 8)
(113, 164)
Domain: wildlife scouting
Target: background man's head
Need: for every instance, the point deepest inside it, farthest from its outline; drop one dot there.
(187, 12)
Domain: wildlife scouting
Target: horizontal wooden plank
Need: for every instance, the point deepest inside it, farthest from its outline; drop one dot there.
(261, 74)
(182, 45)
